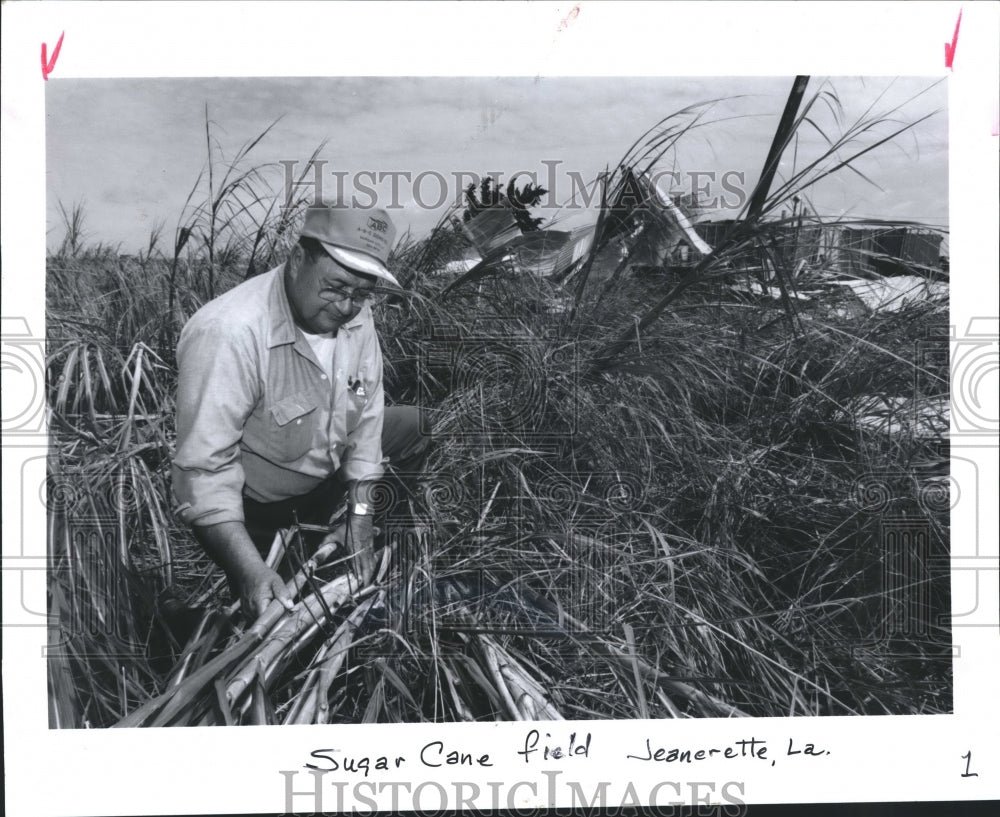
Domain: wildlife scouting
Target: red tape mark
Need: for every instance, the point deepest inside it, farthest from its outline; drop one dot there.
(949, 48)
(47, 64)
(569, 18)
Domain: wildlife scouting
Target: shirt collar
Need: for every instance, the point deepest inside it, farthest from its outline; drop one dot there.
(282, 325)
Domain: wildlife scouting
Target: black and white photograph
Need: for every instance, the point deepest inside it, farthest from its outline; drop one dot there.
(402, 399)
(396, 405)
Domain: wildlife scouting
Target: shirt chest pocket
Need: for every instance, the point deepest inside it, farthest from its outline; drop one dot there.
(292, 422)
(356, 402)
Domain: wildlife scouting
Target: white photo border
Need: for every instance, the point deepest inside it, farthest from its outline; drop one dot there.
(164, 771)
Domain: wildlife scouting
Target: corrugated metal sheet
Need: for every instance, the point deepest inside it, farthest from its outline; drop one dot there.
(894, 292)
(491, 229)
(869, 250)
(660, 198)
(655, 230)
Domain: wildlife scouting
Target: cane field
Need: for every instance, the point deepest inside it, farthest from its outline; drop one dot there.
(712, 491)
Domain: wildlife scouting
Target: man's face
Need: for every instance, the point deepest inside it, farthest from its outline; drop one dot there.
(323, 294)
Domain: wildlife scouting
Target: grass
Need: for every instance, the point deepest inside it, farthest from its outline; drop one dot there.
(661, 502)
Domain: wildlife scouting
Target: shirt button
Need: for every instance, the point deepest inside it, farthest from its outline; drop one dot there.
(323, 376)
(298, 422)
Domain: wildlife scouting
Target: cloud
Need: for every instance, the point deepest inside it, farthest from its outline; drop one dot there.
(133, 148)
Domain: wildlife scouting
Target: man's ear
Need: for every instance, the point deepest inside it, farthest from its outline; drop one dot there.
(295, 261)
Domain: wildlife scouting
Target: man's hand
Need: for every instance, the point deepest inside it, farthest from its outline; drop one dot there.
(230, 546)
(360, 542)
(258, 587)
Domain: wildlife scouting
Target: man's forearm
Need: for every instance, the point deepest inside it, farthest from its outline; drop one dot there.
(359, 491)
(230, 546)
(359, 531)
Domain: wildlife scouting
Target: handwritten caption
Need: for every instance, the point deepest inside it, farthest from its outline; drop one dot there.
(541, 748)
(744, 748)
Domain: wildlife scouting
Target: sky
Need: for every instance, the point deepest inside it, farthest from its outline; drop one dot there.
(130, 150)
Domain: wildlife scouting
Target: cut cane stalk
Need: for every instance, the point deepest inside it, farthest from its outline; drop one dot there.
(164, 708)
(532, 698)
(493, 664)
(333, 594)
(337, 654)
(306, 695)
(451, 680)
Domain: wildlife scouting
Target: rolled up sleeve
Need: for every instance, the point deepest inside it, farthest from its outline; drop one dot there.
(363, 456)
(217, 389)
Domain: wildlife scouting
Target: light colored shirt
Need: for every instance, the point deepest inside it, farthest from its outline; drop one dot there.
(256, 413)
(322, 346)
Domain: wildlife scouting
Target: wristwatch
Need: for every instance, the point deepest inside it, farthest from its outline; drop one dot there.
(360, 509)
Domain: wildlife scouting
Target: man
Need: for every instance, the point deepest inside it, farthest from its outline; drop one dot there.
(280, 403)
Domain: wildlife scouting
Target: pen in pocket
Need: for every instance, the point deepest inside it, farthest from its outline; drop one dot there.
(357, 386)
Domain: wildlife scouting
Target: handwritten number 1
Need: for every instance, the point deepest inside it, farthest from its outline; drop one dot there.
(967, 757)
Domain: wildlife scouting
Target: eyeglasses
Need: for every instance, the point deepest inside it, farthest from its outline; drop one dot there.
(358, 297)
